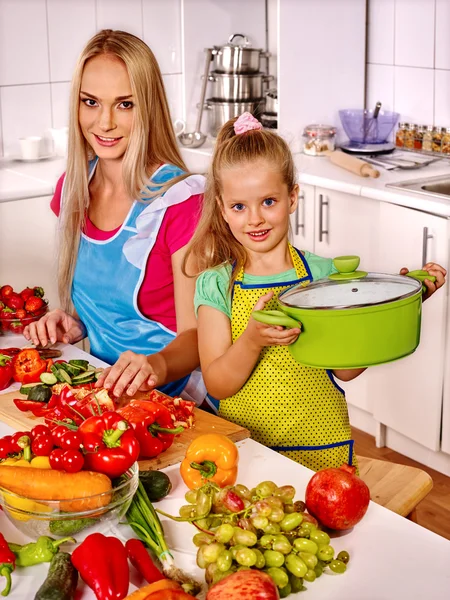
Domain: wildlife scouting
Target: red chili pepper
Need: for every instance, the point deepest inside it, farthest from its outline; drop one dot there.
(103, 566)
(6, 371)
(7, 563)
(152, 426)
(28, 366)
(117, 445)
(140, 559)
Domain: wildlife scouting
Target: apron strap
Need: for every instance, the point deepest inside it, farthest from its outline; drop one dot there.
(349, 443)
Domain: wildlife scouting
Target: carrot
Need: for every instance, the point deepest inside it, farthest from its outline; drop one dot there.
(162, 584)
(47, 485)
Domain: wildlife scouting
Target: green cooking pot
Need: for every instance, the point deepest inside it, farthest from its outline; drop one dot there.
(352, 319)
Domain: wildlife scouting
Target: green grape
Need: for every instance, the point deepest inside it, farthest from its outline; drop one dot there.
(291, 521)
(259, 522)
(302, 532)
(265, 488)
(273, 558)
(285, 591)
(215, 522)
(204, 523)
(325, 553)
(272, 528)
(201, 562)
(202, 538)
(279, 577)
(246, 524)
(211, 551)
(235, 548)
(263, 508)
(191, 496)
(318, 569)
(244, 537)
(204, 503)
(309, 559)
(277, 515)
(266, 541)
(274, 502)
(337, 566)
(285, 492)
(309, 526)
(282, 544)
(260, 560)
(188, 511)
(309, 576)
(224, 533)
(243, 568)
(289, 509)
(246, 557)
(299, 506)
(320, 537)
(295, 565)
(210, 571)
(224, 560)
(218, 575)
(344, 556)
(305, 545)
(296, 583)
(242, 491)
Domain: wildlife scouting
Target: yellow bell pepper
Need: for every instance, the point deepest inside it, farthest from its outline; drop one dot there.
(210, 457)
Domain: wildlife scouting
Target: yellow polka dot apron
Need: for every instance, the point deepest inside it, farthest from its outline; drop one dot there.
(298, 411)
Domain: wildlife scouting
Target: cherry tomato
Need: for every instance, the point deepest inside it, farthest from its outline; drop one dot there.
(57, 433)
(39, 430)
(70, 440)
(55, 459)
(72, 461)
(15, 438)
(42, 445)
(5, 446)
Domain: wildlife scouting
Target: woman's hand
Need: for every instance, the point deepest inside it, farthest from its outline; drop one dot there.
(433, 269)
(55, 326)
(262, 335)
(132, 371)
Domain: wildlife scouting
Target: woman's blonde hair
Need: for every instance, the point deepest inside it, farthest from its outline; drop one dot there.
(152, 142)
(213, 244)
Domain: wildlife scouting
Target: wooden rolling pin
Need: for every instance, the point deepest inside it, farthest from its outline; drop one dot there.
(353, 164)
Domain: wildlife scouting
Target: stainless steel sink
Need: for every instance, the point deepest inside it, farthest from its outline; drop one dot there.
(431, 186)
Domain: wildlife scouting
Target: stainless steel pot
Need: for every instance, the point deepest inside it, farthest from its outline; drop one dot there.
(237, 58)
(220, 111)
(272, 101)
(237, 86)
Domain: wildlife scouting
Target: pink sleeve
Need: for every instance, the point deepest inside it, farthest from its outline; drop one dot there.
(181, 221)
(55, 203)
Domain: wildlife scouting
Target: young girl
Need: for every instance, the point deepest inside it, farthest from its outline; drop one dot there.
(242, 247)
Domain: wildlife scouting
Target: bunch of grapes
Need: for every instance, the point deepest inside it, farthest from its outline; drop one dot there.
(262, 528)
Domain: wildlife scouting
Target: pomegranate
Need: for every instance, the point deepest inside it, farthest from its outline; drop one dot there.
(244, 585)
(337, 497)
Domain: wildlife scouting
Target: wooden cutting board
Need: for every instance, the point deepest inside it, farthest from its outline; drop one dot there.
(204, 423)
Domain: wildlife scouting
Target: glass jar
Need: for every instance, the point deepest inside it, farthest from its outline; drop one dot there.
(418, 139)
(427, 140)
(319, 139)
(445, 146)
(410, 134)
(400, 135)
(437, 138)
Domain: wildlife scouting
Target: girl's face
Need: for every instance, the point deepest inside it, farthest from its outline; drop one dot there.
(256, 205)
(106, 106)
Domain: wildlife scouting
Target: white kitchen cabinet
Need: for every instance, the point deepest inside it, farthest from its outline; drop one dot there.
(407, 394)
(302, 220)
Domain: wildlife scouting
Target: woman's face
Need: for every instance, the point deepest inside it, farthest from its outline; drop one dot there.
(106, 106)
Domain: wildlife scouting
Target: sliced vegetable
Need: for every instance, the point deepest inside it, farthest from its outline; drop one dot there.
(56, 372)
(40, 393)
(28, 366)
(26, 387)
(156, 483)
(48, 378)
(86, 377)
(64, 376)
(83, 364)
(61, 581)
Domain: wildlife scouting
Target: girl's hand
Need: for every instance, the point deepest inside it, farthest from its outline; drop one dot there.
(262, 335)
(132, 371)
(433, 269)
(56, 326)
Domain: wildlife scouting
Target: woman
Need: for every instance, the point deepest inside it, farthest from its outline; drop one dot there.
(127, 209)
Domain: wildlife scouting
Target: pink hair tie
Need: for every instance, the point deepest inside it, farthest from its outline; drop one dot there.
(246, 122)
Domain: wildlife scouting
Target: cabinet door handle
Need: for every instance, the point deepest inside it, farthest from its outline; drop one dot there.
(322, 231)
(426, 236)
(298, 225)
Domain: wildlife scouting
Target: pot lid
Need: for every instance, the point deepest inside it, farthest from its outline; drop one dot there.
(350, 289)
(245, 43)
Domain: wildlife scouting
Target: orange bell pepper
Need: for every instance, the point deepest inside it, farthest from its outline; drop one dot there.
(210, 457)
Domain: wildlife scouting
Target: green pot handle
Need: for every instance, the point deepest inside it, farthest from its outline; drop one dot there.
(421, 275)
(275, 317)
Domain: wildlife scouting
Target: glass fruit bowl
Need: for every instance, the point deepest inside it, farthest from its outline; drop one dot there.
(14, 324)
(361, 127)
(57, 518)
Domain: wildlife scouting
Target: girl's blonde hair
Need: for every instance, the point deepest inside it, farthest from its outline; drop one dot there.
(152, 142)
(213, 244)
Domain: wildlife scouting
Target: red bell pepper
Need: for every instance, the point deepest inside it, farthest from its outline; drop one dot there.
(28, 366)
(6, 371)
(110, 443)
(39, 409)
(152, 424)
(103, 566)
(7, 563)
(140, 559)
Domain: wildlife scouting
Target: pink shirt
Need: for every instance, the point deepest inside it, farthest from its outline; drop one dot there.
(156, 294)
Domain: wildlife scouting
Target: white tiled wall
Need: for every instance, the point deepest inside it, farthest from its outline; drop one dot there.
(409, 59)
(39, 44)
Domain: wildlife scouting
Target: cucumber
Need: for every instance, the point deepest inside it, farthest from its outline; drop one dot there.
(57, 373)
(26, 387)
(87, 377)
(70, 369)
(70, 527)
(40, 393)
(48, 378)
(61, 581)
(156, 483)
(65, 377)
(79, 363)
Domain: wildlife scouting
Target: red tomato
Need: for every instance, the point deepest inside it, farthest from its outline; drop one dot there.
(39, 430)
(15, 438)
(55, 459)
(57, 432)
(5, 446)
(72, 461)
(70, 440)
(42, 445)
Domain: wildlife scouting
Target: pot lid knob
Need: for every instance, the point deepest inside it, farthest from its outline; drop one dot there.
(347, 265)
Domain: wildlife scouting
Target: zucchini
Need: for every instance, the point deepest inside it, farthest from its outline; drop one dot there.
(48, 378)
(40, 393)
(79, 363)
(26, 387)
(61, 581)
(156, 483)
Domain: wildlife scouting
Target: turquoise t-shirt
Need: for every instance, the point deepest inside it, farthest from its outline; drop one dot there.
(212, 285)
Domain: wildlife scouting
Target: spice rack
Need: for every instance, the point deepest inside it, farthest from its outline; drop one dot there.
(426, 139)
